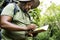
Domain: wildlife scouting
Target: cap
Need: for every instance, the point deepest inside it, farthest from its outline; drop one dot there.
(35, 2)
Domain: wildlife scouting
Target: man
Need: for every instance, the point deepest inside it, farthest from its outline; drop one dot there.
(17, 26)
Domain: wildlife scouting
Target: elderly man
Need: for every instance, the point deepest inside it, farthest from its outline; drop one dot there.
(17, 26)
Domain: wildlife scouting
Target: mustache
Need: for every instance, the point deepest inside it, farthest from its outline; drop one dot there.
(25, 10)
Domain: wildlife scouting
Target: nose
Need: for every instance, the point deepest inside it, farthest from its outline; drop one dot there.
(29, 7)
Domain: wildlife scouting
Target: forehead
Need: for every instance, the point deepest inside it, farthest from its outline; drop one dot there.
(29, 2)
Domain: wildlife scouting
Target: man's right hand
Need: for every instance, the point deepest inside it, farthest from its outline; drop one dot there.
(31, 27)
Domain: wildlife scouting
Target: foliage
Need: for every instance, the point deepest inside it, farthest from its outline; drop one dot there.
(1, 2)
(50, 17)
(35, 15)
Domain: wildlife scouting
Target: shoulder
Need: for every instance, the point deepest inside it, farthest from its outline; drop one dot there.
(10, 5)
(8, 10)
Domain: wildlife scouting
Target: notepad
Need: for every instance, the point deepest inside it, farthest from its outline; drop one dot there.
(42, 28)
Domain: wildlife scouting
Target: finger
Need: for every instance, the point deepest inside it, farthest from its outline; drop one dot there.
(30, 34)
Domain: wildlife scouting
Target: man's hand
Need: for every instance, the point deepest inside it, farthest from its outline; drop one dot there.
(32, 34)
(31, 27)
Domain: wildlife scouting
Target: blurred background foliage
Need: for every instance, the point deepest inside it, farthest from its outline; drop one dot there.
(1, 2)
(50, 17)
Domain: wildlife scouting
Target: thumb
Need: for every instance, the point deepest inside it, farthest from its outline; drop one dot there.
(31, 34)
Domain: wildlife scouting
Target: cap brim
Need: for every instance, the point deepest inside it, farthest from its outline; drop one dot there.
(36, 4)
(24, 0)
(21, 0)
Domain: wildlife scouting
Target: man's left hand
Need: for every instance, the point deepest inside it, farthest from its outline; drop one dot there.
(32, 34)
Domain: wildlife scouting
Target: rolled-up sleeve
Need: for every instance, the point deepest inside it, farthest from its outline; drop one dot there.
(8, 10)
